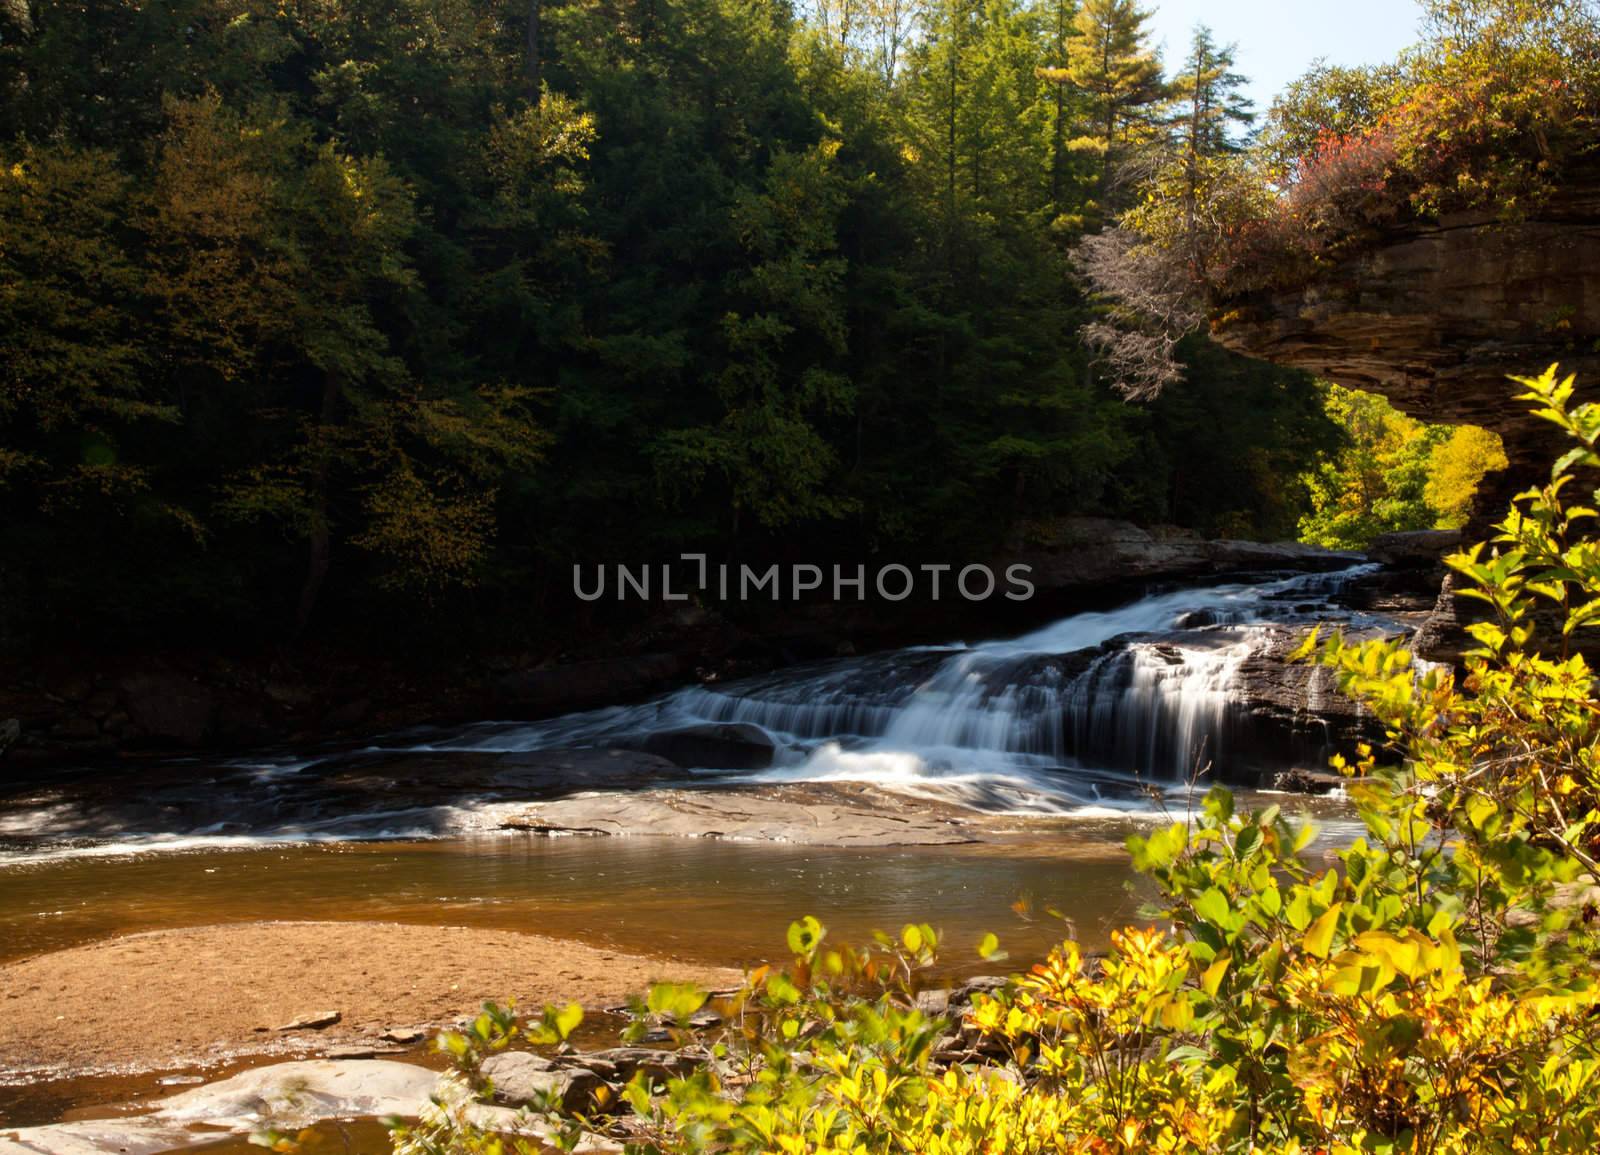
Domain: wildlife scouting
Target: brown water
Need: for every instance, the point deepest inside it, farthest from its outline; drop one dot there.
(696, 899)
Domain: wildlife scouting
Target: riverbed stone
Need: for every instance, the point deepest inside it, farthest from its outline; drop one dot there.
(810, 813)
(305, 1091)
(102, 1137)
(714, 746)
(657, 1063)
(523, 1079)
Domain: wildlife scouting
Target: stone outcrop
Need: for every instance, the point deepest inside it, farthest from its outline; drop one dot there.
(1436, 316)
(1291, 713)
(1095, 551)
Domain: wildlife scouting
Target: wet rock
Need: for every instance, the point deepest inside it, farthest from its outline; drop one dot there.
(403, 1036)
(1288, 714)
(724, 746)
(523, 1079)
(10, 731)
(978, 985)
(1299, 781)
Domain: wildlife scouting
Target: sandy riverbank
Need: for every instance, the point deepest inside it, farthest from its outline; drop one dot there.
(181, 998)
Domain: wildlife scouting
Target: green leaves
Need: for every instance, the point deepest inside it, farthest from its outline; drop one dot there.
(805, 936)
(675, 1001)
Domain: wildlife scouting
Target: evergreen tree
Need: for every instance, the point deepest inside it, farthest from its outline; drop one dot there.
(1119, 75)
(1210, 105)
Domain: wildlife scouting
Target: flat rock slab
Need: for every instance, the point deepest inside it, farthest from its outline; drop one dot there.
(284, 1095)
(807, 813)
(303, 1092)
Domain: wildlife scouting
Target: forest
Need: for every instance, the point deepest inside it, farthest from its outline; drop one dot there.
(334, 335)
(321, 317)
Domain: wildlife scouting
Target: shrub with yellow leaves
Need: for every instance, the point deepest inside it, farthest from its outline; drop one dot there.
(1428, 990)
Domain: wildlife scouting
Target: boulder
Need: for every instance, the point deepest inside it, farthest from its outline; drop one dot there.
(621, 1064)
(10, 731)
(714, 746)
(523, 1079)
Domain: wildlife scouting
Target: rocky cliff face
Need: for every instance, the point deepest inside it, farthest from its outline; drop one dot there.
(1434, 317)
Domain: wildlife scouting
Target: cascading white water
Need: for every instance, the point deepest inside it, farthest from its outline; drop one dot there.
(1089, 713)
(1073, 714)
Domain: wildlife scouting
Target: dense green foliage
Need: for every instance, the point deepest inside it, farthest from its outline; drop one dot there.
(1429, 989)
(320, 312)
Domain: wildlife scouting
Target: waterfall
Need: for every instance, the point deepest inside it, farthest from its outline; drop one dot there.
(1088, 710)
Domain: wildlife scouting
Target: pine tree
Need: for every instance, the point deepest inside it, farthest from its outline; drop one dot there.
(1119, 74)
(1210, 104)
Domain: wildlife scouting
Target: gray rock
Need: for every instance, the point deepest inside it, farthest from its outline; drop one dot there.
(10, 731)
(814, 814)
(301, 1092)
(314, 1021)
(523, 1079)
(1420, 548)
(657, 1063)
(714, 746)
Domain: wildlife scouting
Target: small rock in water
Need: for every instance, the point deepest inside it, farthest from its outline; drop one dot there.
(402, 1036)
(180, 1080)
(312, 1022)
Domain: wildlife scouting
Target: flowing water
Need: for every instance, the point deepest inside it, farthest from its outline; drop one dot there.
(1077, 733)
(1082, 716)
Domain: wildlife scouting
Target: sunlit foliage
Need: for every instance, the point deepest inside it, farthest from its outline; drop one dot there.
(1428, 989)
(1392, 474)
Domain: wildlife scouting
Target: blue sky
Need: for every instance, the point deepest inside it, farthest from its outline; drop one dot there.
(1279, 39)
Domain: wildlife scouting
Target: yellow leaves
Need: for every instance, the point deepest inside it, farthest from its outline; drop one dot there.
(1319, 936)
(436, 535)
